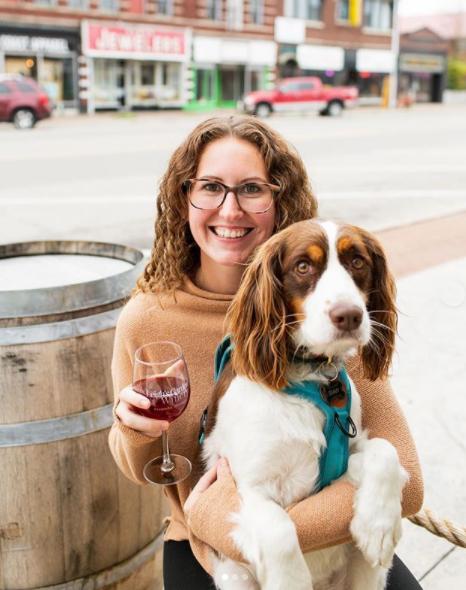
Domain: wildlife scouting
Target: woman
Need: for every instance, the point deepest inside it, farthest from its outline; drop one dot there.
(196, 265)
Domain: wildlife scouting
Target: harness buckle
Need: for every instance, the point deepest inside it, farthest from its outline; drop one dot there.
(352, 432)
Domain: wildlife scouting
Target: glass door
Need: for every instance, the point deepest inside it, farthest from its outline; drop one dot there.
(231, 84)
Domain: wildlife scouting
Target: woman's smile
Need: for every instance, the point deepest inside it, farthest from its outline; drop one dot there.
(230, 233)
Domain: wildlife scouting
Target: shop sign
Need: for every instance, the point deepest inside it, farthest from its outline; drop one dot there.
(290, 30)
(233, 51)
(379, 61)
(320, 57)
(415, 62)
(26, 44)
(120, 41)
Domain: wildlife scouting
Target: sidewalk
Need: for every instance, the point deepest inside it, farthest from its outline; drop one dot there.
(429, 376)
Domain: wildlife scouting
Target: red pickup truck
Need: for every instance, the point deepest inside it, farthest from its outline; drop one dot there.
(300, 94)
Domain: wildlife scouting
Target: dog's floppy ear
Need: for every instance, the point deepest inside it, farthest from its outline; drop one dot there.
(377, 355)
(257, 319)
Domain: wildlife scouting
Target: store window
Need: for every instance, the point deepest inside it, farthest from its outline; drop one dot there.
(56, 77)
(307, 9)
(378, 14)
(170, 80)
(234, 15)
(107, 91)
(256, 11)
(110, 5)
(27, 66)
(343, 10)
(82, 4)
(370, 86)
(147, 74)
(214, 9)
(164, 7)
(205, 85)
(255, 80)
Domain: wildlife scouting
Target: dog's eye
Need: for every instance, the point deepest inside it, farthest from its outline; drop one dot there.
(303, 267)
(358, 262)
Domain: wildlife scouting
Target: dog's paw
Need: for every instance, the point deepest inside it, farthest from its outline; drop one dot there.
(377, 533)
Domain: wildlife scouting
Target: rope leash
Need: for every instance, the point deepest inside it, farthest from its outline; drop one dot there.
(440, 527)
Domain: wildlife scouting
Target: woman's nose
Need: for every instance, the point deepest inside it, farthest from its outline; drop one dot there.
(230, 208)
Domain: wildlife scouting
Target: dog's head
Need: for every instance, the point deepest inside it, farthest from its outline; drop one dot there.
(319, 287)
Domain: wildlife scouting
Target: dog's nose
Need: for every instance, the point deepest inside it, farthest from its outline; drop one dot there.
(346, 317)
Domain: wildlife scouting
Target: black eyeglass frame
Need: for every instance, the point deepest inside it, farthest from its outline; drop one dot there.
(234, 189)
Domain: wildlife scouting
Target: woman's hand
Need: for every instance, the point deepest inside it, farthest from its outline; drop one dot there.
(126, 414)
(219, 471)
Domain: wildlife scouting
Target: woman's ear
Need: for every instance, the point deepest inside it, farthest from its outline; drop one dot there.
(377, 355)
(257, 320)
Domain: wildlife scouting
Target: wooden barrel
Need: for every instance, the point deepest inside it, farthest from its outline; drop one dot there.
(68, 517)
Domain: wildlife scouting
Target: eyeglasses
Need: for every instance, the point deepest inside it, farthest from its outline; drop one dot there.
(252, 197)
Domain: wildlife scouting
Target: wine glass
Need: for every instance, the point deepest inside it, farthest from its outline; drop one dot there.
(160, 374)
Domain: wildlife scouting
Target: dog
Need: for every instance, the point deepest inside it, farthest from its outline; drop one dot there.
(314, 294)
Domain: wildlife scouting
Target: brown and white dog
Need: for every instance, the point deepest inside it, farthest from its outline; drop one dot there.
(314, 290)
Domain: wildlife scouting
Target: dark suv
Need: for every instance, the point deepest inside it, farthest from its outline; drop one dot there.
(22, 101)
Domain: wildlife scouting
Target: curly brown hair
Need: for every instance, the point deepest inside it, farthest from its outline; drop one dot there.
(175, 254)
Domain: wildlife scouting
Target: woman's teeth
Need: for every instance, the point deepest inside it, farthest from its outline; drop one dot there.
(230, 233)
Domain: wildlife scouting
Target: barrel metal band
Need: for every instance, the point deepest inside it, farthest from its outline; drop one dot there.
(59, 330)
(114, 574)
(45, 431)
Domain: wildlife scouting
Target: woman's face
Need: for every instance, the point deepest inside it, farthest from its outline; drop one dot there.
(231, 161)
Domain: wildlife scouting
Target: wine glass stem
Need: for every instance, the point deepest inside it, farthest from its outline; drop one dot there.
(167, 464)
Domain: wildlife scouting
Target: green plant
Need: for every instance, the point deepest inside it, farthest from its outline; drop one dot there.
(456, 74)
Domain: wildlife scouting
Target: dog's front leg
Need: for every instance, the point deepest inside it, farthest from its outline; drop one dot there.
(379, 478)
(267, 537)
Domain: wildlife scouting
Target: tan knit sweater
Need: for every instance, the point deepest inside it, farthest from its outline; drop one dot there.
(196, 322)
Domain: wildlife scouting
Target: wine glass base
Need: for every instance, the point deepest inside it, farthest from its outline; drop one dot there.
(153, 470)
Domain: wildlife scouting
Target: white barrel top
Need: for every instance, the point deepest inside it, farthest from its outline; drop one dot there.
(38, 279)
(53, 270)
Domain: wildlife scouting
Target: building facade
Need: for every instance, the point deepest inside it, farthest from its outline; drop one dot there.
(195, 54)
(340, 41)
(423, 65)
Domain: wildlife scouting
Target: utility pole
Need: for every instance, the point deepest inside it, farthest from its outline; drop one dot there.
(395, 48)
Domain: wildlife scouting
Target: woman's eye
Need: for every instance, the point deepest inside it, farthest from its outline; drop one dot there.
(250, 188)
(211, 187)
(358, 262)
(303, 267)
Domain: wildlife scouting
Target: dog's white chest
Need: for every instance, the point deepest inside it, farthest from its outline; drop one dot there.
(271, 440)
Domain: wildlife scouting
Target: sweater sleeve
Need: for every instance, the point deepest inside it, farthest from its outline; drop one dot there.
(130, 449)
(323, 519)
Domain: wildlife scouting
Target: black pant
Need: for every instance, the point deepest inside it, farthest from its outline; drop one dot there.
(181, 571)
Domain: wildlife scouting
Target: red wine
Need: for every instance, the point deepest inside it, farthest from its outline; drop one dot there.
(168, 396)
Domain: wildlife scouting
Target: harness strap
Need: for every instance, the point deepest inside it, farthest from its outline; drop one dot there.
(334, 401)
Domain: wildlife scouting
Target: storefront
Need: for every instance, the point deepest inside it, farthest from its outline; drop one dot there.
(132, 66)
(422, 66)
(45, 55)
(223, 70)
(373, 68)
(422, 76)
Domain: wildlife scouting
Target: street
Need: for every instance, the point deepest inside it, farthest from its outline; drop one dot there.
(96, 177)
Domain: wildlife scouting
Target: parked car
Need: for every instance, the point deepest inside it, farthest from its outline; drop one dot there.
(22, 101)
(300, 94)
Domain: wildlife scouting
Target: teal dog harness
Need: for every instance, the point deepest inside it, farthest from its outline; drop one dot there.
(333, 400)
